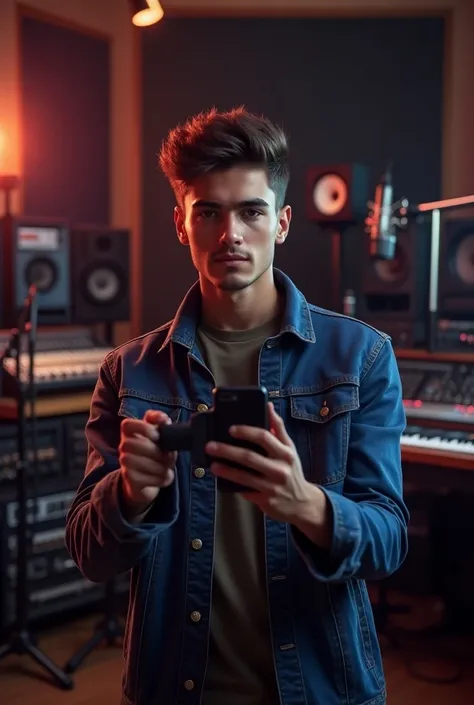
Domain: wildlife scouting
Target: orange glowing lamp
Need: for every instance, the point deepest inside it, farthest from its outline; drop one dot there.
(8, 182)
(3, 146)
(147, 13)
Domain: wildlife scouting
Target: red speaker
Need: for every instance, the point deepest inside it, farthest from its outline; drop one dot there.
(337, 193)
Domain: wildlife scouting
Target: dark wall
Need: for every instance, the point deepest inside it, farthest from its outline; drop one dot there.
(345, 90)
(65, 122)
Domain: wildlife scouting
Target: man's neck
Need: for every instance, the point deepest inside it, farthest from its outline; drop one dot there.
(240, 310)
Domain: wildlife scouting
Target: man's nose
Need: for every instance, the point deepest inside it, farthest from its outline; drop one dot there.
(230, 233)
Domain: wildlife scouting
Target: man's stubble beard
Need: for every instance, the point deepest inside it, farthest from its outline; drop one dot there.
(237, 285)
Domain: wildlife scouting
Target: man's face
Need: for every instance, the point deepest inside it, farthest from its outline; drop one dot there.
(231, 226)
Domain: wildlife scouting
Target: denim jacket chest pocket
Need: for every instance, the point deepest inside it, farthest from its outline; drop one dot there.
(134, 405)
(320, 427)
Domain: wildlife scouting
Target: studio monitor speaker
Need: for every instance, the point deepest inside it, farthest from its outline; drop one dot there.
(456, 270)
(100, 274)
(35, 251)
(337, 193)
(394, 294)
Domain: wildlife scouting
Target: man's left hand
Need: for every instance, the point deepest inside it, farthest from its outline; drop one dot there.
(279, 488)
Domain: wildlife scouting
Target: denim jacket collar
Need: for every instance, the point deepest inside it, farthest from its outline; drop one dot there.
(296, 317)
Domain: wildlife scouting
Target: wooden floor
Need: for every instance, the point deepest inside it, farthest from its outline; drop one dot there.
(97, 682)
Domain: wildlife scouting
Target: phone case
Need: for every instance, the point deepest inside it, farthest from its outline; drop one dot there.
(239, 406)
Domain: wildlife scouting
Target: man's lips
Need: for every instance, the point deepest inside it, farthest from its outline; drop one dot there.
(230, 258)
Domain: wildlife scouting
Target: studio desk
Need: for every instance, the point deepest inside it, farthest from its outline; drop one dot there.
(438, 390)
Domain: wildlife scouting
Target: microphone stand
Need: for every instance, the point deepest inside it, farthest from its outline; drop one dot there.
(21, 640)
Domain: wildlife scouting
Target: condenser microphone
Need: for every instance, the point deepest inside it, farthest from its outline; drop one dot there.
(381, 222)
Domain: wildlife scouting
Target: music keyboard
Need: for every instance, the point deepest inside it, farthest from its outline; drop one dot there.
(438, 447)
(64, 359)
(437, 439)
(61, 368)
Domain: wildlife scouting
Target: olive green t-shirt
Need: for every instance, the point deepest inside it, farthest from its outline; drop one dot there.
(241, 668)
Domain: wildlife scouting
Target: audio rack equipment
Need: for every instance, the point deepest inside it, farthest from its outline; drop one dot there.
(49, 449)
(61, 453)
(64, 359)
(455, 335)
(56, 584)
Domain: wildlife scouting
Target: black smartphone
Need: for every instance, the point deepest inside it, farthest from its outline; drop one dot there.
(246, 406)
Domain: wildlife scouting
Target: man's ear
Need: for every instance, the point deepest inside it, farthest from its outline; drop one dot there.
(284, 220)
(179, 224)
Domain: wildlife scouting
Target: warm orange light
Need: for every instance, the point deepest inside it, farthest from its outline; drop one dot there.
(153, 13)
(3, 148)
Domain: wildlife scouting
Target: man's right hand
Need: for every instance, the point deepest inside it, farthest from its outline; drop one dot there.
(144, 468)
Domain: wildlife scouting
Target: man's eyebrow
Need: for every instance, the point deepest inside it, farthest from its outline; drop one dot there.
(249, 203)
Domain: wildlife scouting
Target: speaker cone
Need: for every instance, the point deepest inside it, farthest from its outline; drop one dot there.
(102, 285)
(393, 271)
(42, 273)
(330, 194)
(462, 259)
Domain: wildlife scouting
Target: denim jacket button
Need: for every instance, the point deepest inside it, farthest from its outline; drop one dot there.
(196, 544)
(202, 407)
(196, 616)
(324, 411)
(199, 472)
(189, 685)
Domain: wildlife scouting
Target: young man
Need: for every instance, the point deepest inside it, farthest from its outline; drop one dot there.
(253, 598)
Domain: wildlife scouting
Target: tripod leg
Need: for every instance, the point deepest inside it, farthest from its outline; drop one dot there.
(76, 660)
(109, 629)
(48, 665)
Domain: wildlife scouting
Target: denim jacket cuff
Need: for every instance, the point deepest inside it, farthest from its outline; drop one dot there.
(107, 498)
(333, 564)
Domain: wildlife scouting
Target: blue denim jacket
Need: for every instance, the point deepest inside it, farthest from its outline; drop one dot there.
(324, 642)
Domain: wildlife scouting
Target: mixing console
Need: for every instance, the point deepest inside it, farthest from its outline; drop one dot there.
(439, 391)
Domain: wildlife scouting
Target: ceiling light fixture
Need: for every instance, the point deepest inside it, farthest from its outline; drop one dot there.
(146, 12)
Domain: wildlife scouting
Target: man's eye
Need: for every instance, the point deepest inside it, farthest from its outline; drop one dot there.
(251, 213)
(207, 215)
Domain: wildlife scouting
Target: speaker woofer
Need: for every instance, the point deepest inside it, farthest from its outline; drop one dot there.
(394, 271)
(41, 272)
(461, 258)
(103, 285)
(330, 194)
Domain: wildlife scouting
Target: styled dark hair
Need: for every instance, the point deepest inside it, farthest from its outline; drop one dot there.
(217, 141)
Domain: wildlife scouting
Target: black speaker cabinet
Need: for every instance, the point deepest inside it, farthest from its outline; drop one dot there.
(35, 251)
(337, 193)
(394, 294)
(100, 261)
(456, 270)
